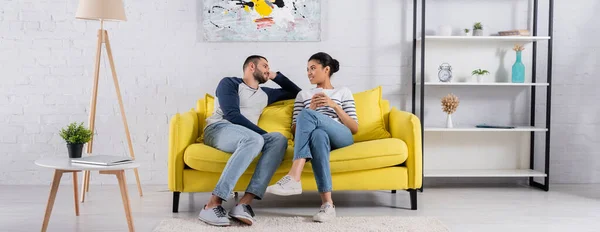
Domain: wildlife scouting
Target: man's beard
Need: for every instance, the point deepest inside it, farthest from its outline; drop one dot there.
(259, 76)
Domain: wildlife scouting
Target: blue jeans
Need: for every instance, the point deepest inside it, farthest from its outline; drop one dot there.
(245, 145)
(316, 135)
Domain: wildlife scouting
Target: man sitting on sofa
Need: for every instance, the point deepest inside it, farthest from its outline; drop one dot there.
(233, 128)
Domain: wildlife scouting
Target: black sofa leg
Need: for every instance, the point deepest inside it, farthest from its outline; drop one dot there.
(176, 202)
(393, 191)
(413, 199)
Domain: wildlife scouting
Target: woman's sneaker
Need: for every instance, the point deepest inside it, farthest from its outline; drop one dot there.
(286, 186)
(325, 214)
(216, 216)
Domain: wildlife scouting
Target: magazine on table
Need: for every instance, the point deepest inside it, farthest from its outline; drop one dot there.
(102, 160)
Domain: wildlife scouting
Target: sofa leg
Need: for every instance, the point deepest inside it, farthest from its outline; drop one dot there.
(176, 202)
(413, 199)
(393, 191)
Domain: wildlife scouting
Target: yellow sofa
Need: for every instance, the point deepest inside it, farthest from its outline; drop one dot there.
(386, 160)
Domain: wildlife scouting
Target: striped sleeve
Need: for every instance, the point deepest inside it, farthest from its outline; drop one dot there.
(299, 104)
(349, 106)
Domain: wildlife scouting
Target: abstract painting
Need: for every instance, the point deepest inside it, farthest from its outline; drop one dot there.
(262, 20)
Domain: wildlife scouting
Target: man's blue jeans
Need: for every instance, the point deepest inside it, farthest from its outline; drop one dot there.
(316, 135)
(245, 145)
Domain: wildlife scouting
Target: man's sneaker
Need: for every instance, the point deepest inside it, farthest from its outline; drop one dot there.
(216, 216)
(326, 213)
(243, 213)
(286, 187)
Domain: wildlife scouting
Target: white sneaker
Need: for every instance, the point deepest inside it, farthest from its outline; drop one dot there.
(325, 214)
(286, 187)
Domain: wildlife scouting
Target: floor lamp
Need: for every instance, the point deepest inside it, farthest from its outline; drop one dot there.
(104, 10)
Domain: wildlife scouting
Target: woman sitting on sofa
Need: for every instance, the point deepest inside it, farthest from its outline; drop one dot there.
(324, 119)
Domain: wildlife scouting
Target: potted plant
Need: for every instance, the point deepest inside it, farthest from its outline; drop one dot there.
(466, 30)
(479, 74)
(75, 135)
(477, 29)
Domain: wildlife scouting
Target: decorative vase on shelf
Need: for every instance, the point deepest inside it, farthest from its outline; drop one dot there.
(449, 121)
(449, 104)
(479, 78)
(445, 30)
(518, 70)
(478, 32)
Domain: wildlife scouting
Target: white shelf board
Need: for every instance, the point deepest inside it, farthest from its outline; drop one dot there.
(484, 173)
(482, 84)
(486, 38)
(475, 129)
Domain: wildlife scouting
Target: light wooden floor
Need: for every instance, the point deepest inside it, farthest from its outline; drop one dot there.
(507, 208)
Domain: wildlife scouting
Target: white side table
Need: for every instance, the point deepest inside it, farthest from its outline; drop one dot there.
(63, 165)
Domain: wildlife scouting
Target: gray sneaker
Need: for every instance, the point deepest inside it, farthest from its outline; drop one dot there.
(325, 214)
(216, 216)
(243, 213)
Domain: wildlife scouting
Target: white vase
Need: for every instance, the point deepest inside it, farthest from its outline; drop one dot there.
(445, 30)
(478, 32)
(449, 121)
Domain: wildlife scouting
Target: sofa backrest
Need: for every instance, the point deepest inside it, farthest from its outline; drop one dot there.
(277, 117)
(385, 105)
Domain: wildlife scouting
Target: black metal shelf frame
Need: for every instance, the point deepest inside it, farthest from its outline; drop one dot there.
(545, 186)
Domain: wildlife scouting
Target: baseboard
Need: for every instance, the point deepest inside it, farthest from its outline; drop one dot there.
(473, 182)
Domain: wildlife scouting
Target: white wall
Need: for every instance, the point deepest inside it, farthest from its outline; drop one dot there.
(46, 58)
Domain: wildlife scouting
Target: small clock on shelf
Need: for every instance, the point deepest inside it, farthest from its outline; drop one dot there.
(445, 72)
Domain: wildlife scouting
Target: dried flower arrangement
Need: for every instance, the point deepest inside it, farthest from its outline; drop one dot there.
(450, 103)
(518, 48)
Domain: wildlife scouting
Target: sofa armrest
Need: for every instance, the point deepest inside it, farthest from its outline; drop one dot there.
(183, 131)
(407, 127)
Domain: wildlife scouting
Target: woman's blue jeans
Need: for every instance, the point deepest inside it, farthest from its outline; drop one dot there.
(316, 135)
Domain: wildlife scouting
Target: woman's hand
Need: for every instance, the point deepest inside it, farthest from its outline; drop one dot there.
(324, 100)
(314, 102)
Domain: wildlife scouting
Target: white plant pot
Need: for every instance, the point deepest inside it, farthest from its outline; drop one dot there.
(467, 33)
(479, 78)
(478, 32)
(449, 121)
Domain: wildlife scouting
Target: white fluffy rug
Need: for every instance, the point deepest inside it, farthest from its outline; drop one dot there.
(289, 224)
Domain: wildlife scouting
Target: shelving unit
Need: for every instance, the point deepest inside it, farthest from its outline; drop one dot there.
(475, 129)
(485, 38)
(485, 173)
(498, 170)
(481, 84)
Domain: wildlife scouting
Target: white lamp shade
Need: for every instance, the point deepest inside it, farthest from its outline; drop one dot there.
(101, 10)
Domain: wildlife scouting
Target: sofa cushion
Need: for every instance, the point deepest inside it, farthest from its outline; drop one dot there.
(359, 156)
(370, 113)
(277, 117)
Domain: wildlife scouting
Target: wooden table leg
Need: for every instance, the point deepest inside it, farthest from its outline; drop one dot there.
(75, 194)
(87, 183)
(123, 186)
(55, 183)
(84, 176)
(125, 196)
(137, 179)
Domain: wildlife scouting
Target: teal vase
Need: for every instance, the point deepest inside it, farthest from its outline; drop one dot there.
(518, 70)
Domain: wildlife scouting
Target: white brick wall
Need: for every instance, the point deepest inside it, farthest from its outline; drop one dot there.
(46, 58)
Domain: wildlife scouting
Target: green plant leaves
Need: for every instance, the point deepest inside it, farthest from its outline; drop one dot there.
(76, 133)
(480, 72)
